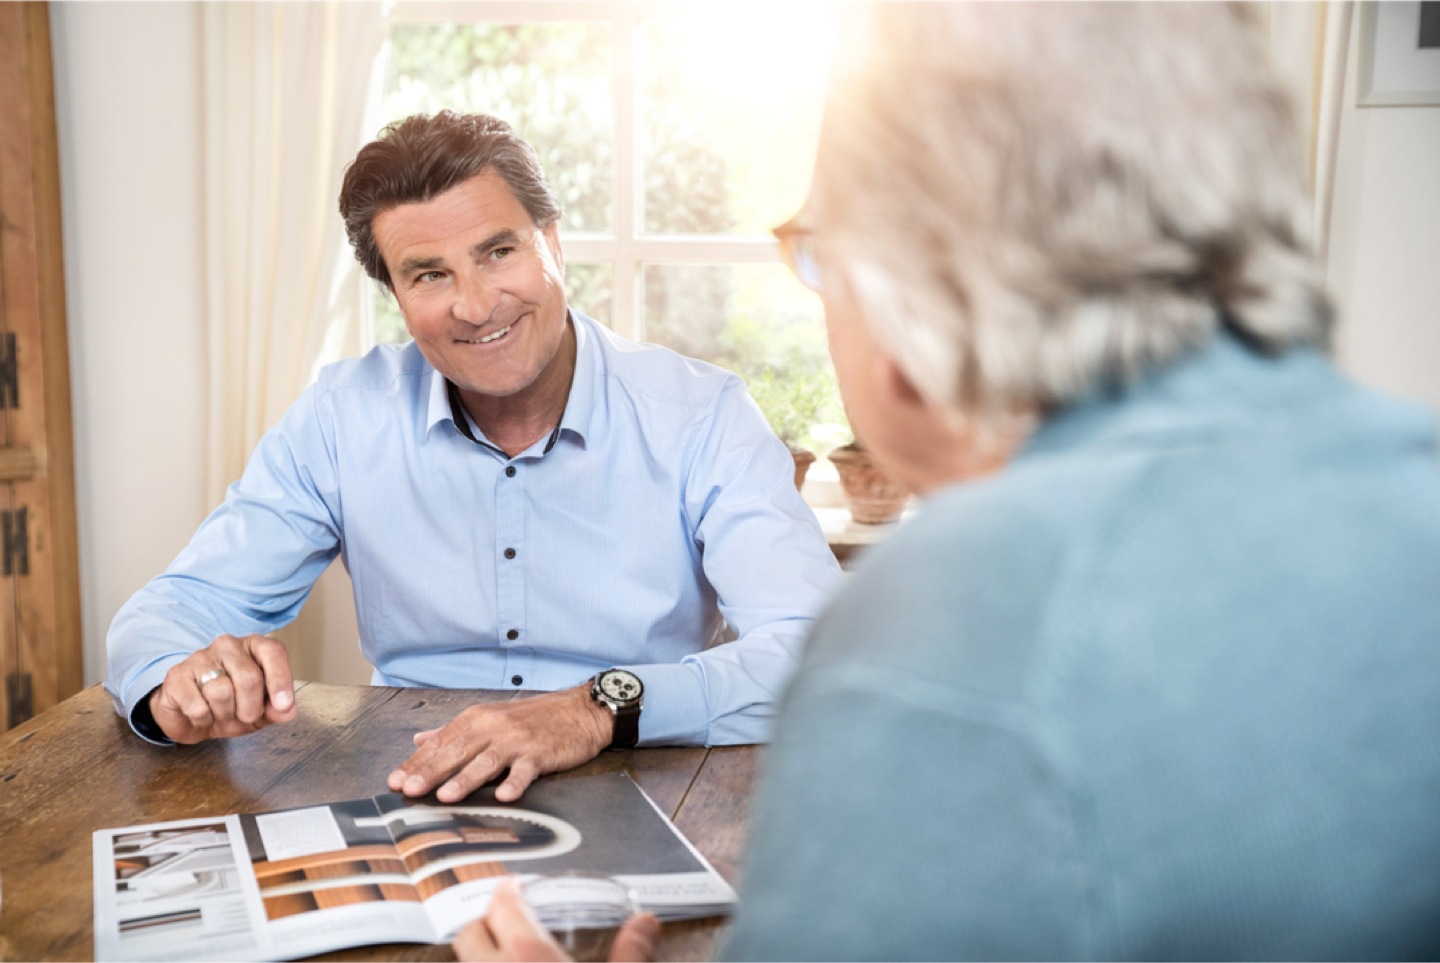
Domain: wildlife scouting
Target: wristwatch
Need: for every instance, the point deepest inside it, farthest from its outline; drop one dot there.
(623, 694)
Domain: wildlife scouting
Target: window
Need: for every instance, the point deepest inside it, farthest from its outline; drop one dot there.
(674, 141)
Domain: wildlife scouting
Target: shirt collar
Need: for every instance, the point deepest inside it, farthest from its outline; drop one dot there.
(443, 404)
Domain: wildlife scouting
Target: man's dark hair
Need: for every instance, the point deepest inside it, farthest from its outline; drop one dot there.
(419, 158)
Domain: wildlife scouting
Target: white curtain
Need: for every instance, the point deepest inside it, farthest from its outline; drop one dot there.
(1309, 46)
(285, 91)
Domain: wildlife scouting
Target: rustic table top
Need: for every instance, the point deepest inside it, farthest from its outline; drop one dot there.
(77, 768)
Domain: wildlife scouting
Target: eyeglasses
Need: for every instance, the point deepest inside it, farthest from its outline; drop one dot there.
(798, 248)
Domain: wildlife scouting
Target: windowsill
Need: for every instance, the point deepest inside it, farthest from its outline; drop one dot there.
(841, 529)
(822, 485)
(847, 537)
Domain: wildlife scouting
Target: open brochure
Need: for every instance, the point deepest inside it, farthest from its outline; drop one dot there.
(280, 885)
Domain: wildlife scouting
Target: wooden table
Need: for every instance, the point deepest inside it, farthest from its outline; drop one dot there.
(77, 768)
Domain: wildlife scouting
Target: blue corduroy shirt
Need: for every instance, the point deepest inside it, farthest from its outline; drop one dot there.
(1168, 686)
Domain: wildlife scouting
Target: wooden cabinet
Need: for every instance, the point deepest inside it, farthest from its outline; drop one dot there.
(40, 648)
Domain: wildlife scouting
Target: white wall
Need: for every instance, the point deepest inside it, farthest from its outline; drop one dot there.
(127, 98)
(1384, 265)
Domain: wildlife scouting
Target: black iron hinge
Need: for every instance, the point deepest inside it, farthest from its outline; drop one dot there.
(22, 703)
(9, 375)
(16, 542)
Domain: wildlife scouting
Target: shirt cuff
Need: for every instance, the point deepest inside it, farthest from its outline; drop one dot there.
(142, 720)
(138, 714)
(675, 712)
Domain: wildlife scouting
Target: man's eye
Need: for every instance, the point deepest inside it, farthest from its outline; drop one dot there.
(501, 253)
(430, 276)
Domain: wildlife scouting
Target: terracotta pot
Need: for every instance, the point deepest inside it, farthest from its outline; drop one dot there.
(803, 460)
(873, 498)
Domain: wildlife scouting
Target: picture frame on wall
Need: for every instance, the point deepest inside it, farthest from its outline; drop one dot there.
(1399, 54)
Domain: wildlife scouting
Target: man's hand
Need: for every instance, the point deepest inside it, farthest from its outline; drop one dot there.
(247, 687)
(546, 733)
(509, 931)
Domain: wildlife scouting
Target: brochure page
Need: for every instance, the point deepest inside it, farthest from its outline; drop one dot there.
(176, 891)
(599, 824)
(331, 877)
(308, 880)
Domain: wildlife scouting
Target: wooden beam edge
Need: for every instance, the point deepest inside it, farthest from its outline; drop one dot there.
(59, 457)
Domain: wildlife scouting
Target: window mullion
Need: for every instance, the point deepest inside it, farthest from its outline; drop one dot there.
(625, 200)
(705, 249)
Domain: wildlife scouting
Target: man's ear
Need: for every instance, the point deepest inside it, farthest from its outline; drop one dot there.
(894, 384)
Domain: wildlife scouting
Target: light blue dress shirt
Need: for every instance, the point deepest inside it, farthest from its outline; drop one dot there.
(661, 503)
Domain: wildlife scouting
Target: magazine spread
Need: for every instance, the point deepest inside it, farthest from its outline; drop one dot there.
(280, 885)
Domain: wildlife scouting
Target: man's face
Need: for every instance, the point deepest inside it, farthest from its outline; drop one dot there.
(481, 288)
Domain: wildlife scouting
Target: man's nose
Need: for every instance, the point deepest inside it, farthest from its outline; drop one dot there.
(475, 297)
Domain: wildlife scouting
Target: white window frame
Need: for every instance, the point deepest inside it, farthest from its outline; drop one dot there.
(627, 246)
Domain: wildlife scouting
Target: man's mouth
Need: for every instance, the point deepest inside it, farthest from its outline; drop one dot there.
(493, 336)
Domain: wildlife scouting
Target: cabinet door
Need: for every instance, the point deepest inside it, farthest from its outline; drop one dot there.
(40, 653)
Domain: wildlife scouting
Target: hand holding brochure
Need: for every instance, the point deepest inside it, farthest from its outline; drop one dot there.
(281, 885)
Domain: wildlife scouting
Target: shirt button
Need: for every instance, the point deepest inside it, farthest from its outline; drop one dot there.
(510, 471)
(516, 680)
(509, 553)
(512, 635)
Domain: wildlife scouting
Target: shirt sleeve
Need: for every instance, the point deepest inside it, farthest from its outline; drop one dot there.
(917, 826)
(248, 568)
(765, 555)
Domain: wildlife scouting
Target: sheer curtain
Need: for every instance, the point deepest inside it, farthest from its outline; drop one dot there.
(285, 92)
(285, 89)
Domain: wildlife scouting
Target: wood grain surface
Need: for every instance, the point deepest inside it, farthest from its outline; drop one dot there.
(77, 768)
(39, 587)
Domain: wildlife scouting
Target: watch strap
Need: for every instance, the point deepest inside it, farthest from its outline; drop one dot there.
(627, 727)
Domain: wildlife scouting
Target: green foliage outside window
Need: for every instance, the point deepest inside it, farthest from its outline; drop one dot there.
(755, 320)
(793, 386)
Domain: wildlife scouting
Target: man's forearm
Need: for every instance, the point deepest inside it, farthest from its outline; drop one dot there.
(165, 622)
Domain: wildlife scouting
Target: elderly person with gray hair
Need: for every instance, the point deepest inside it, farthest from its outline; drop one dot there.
(1168, 683)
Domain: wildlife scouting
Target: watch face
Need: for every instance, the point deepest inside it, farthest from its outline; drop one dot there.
(620, 685)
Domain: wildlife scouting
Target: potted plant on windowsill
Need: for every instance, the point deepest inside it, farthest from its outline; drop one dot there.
(873, 499)
(791, 406)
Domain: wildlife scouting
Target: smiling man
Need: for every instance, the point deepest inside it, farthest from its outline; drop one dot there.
(523, 500)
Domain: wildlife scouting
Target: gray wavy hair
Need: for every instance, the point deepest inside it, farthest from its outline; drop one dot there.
(1032, 199)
